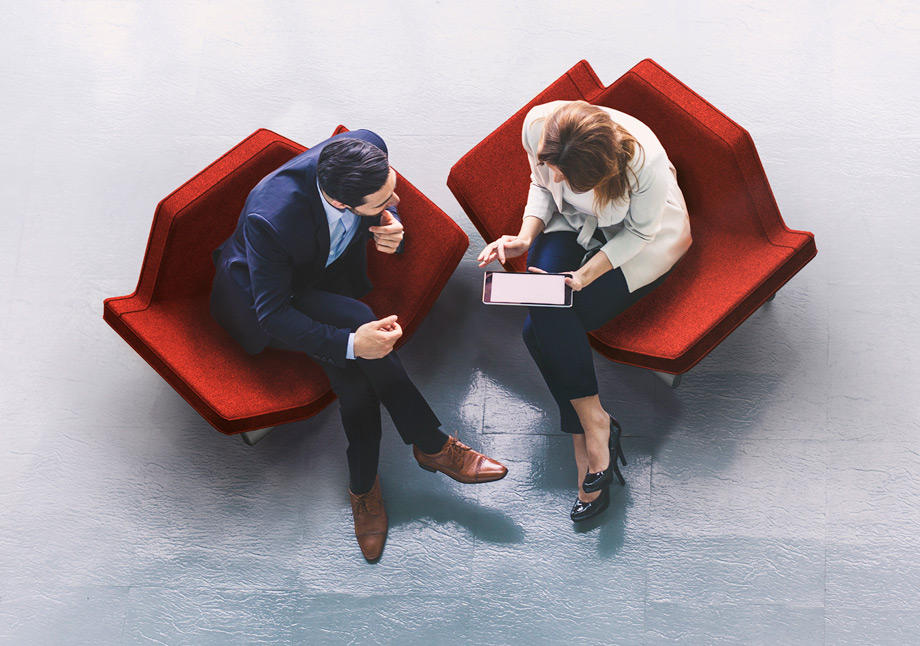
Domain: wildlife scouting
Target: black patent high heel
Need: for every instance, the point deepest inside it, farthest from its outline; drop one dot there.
(602, 479)
(582, 510)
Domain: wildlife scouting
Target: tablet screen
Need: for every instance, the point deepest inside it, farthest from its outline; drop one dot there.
(526, 289)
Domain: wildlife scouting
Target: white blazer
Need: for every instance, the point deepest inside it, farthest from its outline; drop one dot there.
(646, 233)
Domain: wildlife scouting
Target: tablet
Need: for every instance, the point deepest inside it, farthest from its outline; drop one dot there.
(526, 288)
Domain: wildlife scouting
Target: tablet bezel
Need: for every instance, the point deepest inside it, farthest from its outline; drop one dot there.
(487, 285)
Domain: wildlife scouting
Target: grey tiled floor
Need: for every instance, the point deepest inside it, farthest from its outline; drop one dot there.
(771, 499)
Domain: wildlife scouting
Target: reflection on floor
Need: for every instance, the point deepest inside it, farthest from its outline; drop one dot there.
(771, 499)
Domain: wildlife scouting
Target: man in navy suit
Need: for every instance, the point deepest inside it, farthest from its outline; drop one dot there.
(289, 277)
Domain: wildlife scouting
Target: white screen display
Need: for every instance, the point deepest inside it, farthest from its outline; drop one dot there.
(539, 289)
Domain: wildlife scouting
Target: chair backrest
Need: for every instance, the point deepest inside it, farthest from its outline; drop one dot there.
(491, 182)
(717, 165)
(195, 218)
(407, 284)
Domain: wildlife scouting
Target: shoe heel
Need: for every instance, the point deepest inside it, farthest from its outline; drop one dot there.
(619, 475)
(428, 468)
(616, 450)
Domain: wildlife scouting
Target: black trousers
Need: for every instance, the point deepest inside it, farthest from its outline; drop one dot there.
(363, 385)
(557, 337)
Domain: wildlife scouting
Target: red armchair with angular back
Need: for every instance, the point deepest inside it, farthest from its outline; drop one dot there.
(168, 322)
(742, 251)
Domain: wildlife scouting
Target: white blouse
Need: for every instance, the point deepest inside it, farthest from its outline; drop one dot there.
(646, 233)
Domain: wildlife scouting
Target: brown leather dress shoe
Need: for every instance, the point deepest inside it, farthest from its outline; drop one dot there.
(461, 463)
(370, 521)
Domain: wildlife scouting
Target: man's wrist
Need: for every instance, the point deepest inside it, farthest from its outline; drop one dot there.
(350, 348)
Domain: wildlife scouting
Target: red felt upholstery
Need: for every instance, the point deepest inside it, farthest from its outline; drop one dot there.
(742, 251)
(167, 319)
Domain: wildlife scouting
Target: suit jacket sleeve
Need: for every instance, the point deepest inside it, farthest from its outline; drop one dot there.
(402, 243)
(271, 272)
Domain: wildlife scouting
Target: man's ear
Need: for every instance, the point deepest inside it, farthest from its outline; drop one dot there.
(339, 205)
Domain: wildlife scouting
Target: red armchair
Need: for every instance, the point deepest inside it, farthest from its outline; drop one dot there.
(167, 321)
(742, 251)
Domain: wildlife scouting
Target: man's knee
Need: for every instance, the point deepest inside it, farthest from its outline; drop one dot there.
(334, 309)
(357, 314)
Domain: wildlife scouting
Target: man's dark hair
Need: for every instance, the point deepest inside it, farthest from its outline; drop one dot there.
(351, 169)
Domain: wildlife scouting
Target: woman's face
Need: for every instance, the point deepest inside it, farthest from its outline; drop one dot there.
(558, 177)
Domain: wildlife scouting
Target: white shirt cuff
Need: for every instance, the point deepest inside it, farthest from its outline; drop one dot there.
(350, 350)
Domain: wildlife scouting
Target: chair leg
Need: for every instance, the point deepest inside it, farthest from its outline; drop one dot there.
(671, 380)
(251, 438)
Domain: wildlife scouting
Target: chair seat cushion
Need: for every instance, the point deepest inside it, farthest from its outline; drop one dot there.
(702, 292)
(230, 388)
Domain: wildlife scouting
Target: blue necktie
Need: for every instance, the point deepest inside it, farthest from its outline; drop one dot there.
(338, 238)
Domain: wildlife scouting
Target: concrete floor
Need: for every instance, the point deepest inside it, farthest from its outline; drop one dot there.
(771, 499)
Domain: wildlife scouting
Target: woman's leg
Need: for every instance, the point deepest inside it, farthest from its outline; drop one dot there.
(557, 339)
(567, 416)
(595, 305)
(554, 252)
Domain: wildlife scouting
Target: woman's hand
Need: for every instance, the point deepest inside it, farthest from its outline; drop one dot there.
(503, 248)
(577, 281)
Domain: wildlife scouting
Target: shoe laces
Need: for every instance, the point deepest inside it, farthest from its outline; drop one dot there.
(458, 444)
(457, 449)
(364, 504)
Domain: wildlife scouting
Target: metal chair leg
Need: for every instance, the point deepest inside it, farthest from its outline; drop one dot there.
(251, 438)
(671, 380)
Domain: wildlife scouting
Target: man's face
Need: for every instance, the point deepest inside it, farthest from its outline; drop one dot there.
(375, 203)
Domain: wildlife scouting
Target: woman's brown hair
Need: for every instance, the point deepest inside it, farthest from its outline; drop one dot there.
(590, 149)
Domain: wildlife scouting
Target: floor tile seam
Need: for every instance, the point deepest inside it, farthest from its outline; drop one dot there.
(753, 604)
(518, 434)
(648, 525)
(730, 440)
(124, 628)
(876, 283)
(655, 534)
(689, 437)
(304, 591)
(913, 444)
(912, 609)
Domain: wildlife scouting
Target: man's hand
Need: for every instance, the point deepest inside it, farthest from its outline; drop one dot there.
(388, 234)
(375, 340)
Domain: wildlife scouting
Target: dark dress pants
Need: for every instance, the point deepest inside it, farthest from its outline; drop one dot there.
(363, 385)
(557, 338)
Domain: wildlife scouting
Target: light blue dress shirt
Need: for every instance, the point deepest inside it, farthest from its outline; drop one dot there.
(350, 221)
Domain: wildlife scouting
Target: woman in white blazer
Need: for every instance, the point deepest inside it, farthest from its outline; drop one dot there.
(604, 204)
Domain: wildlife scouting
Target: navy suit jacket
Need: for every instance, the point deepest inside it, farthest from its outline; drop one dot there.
(279, 248)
